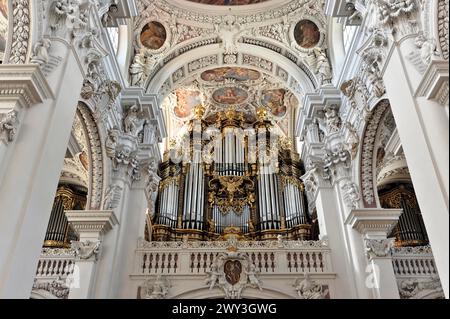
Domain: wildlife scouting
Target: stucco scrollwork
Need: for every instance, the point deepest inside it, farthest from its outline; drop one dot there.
(378, 248)
(87, 250)
(157, 289)
(232, 272)
(309, 289)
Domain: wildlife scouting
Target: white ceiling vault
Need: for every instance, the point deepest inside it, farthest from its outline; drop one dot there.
(225, 53)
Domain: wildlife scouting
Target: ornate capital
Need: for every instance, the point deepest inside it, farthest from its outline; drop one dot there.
(378, 248)
(86, 250)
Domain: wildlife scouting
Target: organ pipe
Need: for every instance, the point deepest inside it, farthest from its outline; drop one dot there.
(231, 192)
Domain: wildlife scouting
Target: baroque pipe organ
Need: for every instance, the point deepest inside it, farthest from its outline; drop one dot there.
(231, 174)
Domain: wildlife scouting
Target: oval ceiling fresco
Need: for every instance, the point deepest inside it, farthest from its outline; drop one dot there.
(153, 35)
(274, 101)
(230, 95)
(307, 34)
(228, 2)
(235, 73)
(187, 100)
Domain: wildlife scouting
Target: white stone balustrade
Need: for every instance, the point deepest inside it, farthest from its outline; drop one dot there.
(190, 258)
(413, 262)
(55, 263)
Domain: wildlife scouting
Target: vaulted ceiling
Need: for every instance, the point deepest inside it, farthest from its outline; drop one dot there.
(240, 54)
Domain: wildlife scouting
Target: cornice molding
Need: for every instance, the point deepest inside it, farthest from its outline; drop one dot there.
(25, 82)
(436, 75)
(376, 220)
(92, 221)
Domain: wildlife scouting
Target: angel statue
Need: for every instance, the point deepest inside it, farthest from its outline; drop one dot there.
(252, 277)
(213, 276)
(138, 70)
(40, 52)
(134, 124)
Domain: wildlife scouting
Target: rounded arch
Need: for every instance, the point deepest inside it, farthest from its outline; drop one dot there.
(368, 154)
(299, 78)
(95, 156)
(21, 28)
(336, 45)
(249, 293)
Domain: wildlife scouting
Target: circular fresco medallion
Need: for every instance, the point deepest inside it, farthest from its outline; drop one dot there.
(230, 95)
(306, 34)
(153, 35)
(235, 73)
(274, 101)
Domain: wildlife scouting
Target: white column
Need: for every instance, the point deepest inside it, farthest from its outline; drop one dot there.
(375, 225)
(331, 229)
(30, 167)
(424, 132)
(91, 226)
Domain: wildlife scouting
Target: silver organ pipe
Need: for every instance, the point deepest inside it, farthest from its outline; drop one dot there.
(277, 203)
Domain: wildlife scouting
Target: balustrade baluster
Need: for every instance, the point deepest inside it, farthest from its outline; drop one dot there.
(175, 263)
(156, 262)
(169, 261)
(288, 256)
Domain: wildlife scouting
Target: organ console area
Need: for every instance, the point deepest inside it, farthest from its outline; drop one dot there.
(231, 174)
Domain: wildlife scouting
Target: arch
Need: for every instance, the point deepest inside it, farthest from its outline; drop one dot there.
(95, 156)
(336, 45)
(368, 157)
(248, 293)
(22, 15)
(300, 79)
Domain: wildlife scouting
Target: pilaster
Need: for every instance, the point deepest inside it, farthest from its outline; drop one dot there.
(91, 227)
(375, 225)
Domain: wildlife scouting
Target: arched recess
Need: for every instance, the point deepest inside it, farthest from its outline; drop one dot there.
(95, 156)
(205, 293)
(368, 155)
(296, 77)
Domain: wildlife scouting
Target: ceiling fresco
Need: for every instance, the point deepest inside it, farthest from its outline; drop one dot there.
(230, 95)
(153, 35)
(235, 73)
(228, 2)
(274, 101)
(186, 101)
(307, 34)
